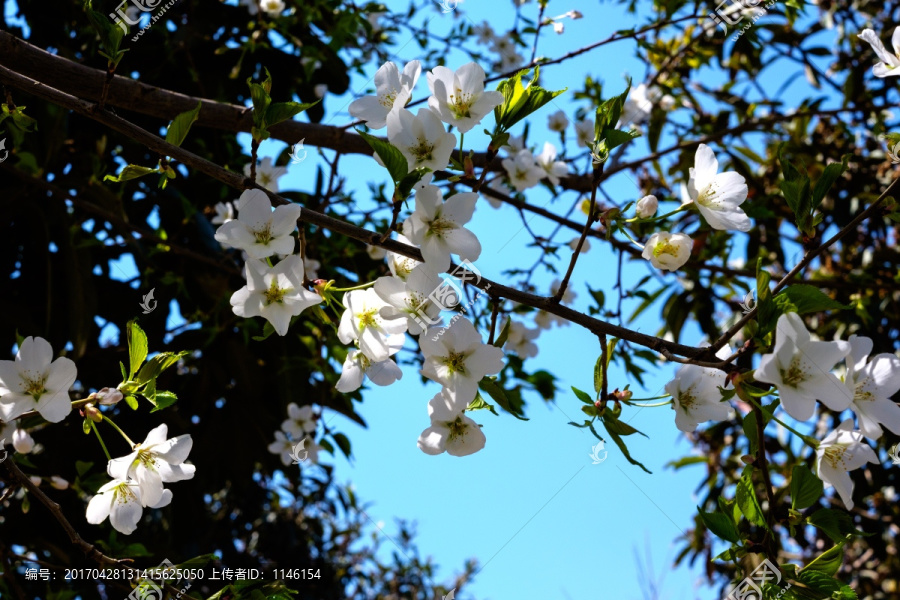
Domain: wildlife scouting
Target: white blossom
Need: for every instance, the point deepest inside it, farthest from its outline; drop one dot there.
(320, 90)
(646, 207)
(267, 175)
(800, 369)
(584, 133)
(420, 138)
(639, 104)
(155, 461)
(668, 251)
(523, 172)
(484, 33)
(696, 397)
(362, 322)
(553, 169)
(22, 441)
(450, 431)
(258, 230)
(459, 97)
(842, 451)
(520, 339)
(224, 213)
(273, 8)
(34, 381)
(870, 385)
(889, 62)
(557, 121)
(437, 228)
(121, 501)
(718, 195)
(357, 367)
(573, 244)
(410, 299)
(401, 266)
(375, 252)
(300, 422)
(58, 483)
(458, 359)
(274, 293)
(393, 89)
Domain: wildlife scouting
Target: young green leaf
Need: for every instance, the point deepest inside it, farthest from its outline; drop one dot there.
(829, 176)
(164, 400)
(498, 395)
(393, 159)
(137, 347)
(181, 124)
(803, 298)
(747, 501)
(806, 488)
(721, 525)
(583, 396)
(282, 111)
(504, 334)
(520, 101)
(130, 172)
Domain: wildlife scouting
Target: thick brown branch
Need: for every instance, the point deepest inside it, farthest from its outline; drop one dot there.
(239, 182)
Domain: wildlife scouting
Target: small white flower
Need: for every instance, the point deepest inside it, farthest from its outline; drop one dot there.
(668, 251)
(573, 244)
(224, 213)
(696, 397)
(22, 441)
(558, 121)
(559, 27)
(889, 62)
(393, 89)
(520, 340)
(273, 8)
(357, 367)
(410, 299)
(362, 322)
(375, 252)
(34, 381)
(267, 176)
(284, 447)
(451, 431)
(459, 97)
(639, 104)
(301, 421)
(59, 483)
(484, 33)
(320, 90)
(458, 359)
(274, 293)
(553, 169)
(121, 501)
(842, 451)
(155, 461)
(871, 384)
(718, 195)
(584, 133)
(646, 207)
(515, 144)
(523, 172)
(401, 266)
(437, 227)
(800, 369)
(498, 186)
(311, 268)
(420, 138)
(258, 230)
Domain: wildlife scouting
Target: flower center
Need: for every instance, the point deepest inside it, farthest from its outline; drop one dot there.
(264, 235)
(460, 103)
(794, 373)
(33, 384)
(665, 248)
(456, 362)
(861, 394)
(834, 455)
(423, 151)
(440, 226)
(274, 293)
(369, 319)
(124, 494)
(457, 428)
(705, 197)
(686, 400)
(387, 100)
(264, 178)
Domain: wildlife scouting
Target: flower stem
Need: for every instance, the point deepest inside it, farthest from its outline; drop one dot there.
(99, 437)
(659, 218)
(811, 442)
(357, 287)
(122, 433)
(666, 403)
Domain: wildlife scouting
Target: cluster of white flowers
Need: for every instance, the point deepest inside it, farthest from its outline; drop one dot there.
(138, 480)
(801, 369)
(502, 45)
(525, 170)
(718, 197)
(276, 293)
(291, 440)
(889, 62)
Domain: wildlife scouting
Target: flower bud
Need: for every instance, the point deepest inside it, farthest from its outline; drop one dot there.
(646, 207)
(575, 14)
(108, 397)
(93, 413)
(22, 442)
(59, 483)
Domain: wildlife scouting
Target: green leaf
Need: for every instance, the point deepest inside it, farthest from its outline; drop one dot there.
(343, 443)
(803, 298)
(609, 112)
(836, 524)
(110, 34)
(181, 124)
(520, 101)
(806, 488)
(479, 403)
(686, 461)
(393, 159)
(795, 188)
(130, 172)
(131, 401)
(504, 334)
(259, 93)
(746, 500)
(621, 444)
(749, 426)
(282, 111)
(164, 400)
(583, 396)
(598, 374)
(158, 364)
(404, 186)
(85, 426)
(721, 525)
(612, 423)
(829, 176)
(829, 562)
(498, 395)
(82, 467)
(766, 310)
(137, 347)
